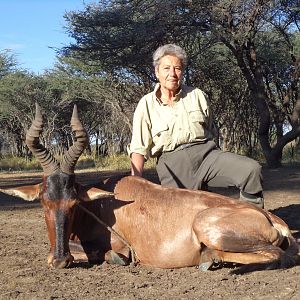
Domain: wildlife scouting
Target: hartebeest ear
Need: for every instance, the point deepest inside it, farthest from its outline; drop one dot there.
(91, 194)
(26, 192)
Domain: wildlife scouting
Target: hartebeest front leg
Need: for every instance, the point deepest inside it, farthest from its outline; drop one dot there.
(120, 253)
(115, 258)
(88, 252)
(92, 253)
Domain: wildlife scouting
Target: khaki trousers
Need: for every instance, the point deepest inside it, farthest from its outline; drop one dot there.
(200, 165)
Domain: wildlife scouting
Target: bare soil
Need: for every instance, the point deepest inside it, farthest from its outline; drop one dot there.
(24, 246)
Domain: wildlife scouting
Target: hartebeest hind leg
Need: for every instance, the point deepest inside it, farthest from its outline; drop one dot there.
(243, 236)
(211, 257)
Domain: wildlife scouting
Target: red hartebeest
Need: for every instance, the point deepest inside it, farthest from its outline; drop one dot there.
(166, 227)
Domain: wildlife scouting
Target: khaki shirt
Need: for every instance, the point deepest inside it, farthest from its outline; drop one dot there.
(158, 127)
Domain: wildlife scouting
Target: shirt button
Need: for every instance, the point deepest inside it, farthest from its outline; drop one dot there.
(179, 128)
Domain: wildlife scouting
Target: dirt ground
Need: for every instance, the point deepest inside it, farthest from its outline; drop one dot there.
(24, 246)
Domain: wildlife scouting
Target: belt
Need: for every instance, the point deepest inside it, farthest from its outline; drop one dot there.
(187, 145)
(209, 146)
(180, 147)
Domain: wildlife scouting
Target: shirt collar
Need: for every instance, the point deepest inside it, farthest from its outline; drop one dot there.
(157, 87)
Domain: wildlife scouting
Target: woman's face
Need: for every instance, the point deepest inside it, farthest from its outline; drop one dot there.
(169, 72)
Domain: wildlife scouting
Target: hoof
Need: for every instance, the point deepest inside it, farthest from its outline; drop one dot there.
(133, 264)
(205, 266)
(117, 259)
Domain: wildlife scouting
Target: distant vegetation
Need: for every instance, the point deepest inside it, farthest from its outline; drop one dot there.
(245, 55)
(86, 162)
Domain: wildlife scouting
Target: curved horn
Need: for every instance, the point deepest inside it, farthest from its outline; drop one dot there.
(70, 158)
(47, 161)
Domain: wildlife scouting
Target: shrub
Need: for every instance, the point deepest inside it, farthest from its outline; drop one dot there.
(291, 154)
(13, 163)
(85, 162)
(119, 162)
(113, 162)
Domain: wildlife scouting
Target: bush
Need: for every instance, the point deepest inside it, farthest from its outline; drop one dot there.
(290, 153)
(12, 163)
(85, 162)
(118, 162)
(113, 162)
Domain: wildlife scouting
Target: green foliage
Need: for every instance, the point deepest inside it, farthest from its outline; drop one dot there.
(85, 162)
(119, 37)
(8, 62)
(13, 163)
(113, 162)
(296, 45)
(291, 153)
(240, 55)
(118, 162)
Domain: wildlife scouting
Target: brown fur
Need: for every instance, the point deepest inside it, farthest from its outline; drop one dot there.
(167, 227)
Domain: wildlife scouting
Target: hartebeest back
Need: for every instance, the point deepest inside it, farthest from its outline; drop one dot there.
(166, 227)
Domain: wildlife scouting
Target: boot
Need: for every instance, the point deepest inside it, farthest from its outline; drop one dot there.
(256, 199)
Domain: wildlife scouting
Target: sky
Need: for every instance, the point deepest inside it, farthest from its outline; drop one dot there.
(30, 27)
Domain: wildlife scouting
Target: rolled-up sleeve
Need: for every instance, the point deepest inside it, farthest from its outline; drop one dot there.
(141, 133)
(205, 106)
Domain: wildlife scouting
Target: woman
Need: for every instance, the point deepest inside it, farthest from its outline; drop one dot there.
(174, 124)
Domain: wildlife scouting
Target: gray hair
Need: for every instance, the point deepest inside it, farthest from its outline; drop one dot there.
(169, 49)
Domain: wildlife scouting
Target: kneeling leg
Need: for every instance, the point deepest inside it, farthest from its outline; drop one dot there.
(268, 258)
(120, 254)
(86, 252)
(117, 258)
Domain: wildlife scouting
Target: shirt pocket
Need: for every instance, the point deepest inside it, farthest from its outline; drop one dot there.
(197, 124)
(196, 116)
(159, 130)
(161, 136)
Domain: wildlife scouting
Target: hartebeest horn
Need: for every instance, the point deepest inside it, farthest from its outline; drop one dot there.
(70, 158)
(47, 161)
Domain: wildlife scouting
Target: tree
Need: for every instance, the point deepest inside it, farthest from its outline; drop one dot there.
(118, 37)
(242, 26)
(105, 104)
(8, 62)
(115, 37)
(227, 90)
(15, 109)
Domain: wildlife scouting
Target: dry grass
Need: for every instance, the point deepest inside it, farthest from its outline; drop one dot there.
(85, 162)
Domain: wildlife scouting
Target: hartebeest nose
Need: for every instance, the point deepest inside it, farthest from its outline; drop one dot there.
(64, 262)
